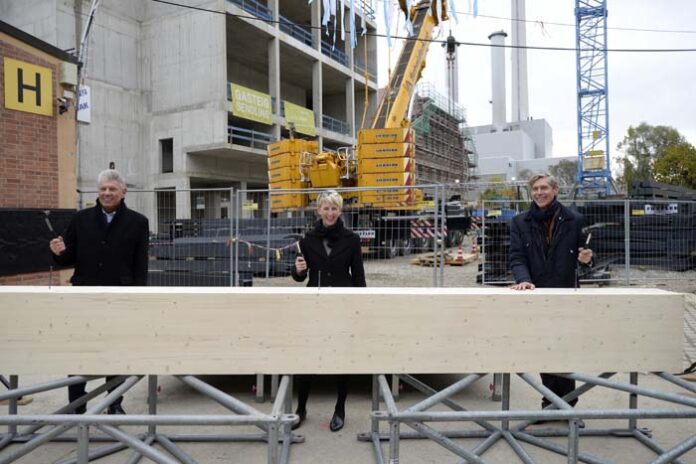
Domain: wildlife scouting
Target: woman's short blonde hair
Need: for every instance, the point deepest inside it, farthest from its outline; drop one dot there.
(330, 196)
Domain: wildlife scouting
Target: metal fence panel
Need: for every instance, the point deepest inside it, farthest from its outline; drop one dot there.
(634, 241)
(271, 222)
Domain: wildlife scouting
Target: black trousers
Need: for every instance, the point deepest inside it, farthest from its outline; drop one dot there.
(78, 390)
(304, 385)
(559, 385)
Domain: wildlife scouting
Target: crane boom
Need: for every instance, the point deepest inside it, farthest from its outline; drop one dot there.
(392, 111)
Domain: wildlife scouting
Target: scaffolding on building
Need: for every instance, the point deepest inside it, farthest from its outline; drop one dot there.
(445, 151)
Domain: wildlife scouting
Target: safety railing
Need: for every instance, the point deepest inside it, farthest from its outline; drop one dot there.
(254, 7)
(334, 53)
(296, 31)
(249, 137)
(335, 125)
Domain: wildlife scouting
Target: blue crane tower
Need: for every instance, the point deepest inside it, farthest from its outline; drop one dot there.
(594, 163)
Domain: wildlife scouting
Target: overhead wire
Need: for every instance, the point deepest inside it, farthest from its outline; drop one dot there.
(442, 41)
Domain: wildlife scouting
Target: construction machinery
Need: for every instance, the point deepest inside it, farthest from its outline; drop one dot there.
(384, 158)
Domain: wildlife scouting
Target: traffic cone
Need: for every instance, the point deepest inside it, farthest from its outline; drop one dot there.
(460, 254)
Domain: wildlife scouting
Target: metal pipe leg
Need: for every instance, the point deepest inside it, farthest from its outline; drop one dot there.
(633, 401)
(395, 387)
(12, 406)
(506, 400)
(375, 404)
(260, 394)
(274, 386)
(573, 442)
(82, 444)
(273, 443)
(152, 402)
(394, 442)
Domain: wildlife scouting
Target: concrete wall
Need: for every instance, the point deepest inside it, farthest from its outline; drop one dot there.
(515, 144)
(540, 131)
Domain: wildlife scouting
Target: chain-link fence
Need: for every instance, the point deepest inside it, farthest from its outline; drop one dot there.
(223, 237)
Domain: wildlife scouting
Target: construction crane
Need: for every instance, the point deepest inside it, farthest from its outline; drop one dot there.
(594, 162)
(384, 155)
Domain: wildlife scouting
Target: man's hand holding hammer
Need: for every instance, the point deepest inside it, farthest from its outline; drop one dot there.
(57, 245)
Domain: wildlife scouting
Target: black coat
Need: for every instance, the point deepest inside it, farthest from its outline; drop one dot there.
(342, 268)
(528, 260)
(112, 254)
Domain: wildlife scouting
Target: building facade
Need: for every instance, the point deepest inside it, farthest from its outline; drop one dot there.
(187, 97)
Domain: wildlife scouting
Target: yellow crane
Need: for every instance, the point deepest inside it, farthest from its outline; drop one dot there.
(385, 153)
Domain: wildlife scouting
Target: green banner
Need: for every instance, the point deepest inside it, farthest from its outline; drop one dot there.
(250, 104)
(301, 117)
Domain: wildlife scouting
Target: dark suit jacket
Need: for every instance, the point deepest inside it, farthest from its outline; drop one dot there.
(112, 254)
(528, 260)
(342, 268)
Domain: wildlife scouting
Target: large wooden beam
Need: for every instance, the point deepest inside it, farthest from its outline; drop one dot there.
(99, 330)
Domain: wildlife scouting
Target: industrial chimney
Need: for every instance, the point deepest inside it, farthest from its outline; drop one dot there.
(498, 78)
(520, 102)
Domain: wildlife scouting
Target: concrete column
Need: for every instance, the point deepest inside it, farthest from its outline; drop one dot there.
(274, 82)
(350, 82)
(316, 23)
(317, 97)
(498, 78)
(350, 104)
(274, 5)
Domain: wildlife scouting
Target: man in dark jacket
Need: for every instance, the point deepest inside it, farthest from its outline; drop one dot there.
(546, 247)
(108, 245)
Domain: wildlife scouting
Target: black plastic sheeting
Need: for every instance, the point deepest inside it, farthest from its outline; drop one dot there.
(24, 237)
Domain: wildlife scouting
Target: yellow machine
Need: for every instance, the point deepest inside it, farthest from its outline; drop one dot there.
(385, 154)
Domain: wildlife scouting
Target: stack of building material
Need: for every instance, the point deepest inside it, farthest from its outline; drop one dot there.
(386, 159)
(284, 159)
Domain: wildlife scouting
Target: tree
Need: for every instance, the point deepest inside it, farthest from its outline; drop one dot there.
(641, 147)
(565, 171)
(677, 166)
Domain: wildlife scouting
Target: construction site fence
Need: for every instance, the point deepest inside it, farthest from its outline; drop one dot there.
(231, 237)
(633, 241)
(228, 237)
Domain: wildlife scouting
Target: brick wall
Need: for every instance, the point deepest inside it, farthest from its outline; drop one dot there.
(28, 156)
(29, 148)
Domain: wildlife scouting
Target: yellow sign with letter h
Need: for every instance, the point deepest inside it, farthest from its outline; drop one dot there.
(28, 87)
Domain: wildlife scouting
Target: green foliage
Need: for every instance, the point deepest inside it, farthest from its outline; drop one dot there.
(677, 166)
(641, 147)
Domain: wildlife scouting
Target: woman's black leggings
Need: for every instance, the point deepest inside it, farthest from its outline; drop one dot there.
(304, 385)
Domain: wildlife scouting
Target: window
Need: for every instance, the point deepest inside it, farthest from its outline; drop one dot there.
(167, 155)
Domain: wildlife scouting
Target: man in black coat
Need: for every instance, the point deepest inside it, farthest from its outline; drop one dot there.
(546, 247)
(108, 245)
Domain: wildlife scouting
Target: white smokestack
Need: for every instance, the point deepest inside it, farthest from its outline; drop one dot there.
(498, 78)
(520, 100)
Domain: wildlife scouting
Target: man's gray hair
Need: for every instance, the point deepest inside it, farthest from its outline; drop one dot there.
(552, 180)
(111, 175)
(331, 197)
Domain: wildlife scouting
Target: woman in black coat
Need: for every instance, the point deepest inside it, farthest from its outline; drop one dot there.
(332, 257)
